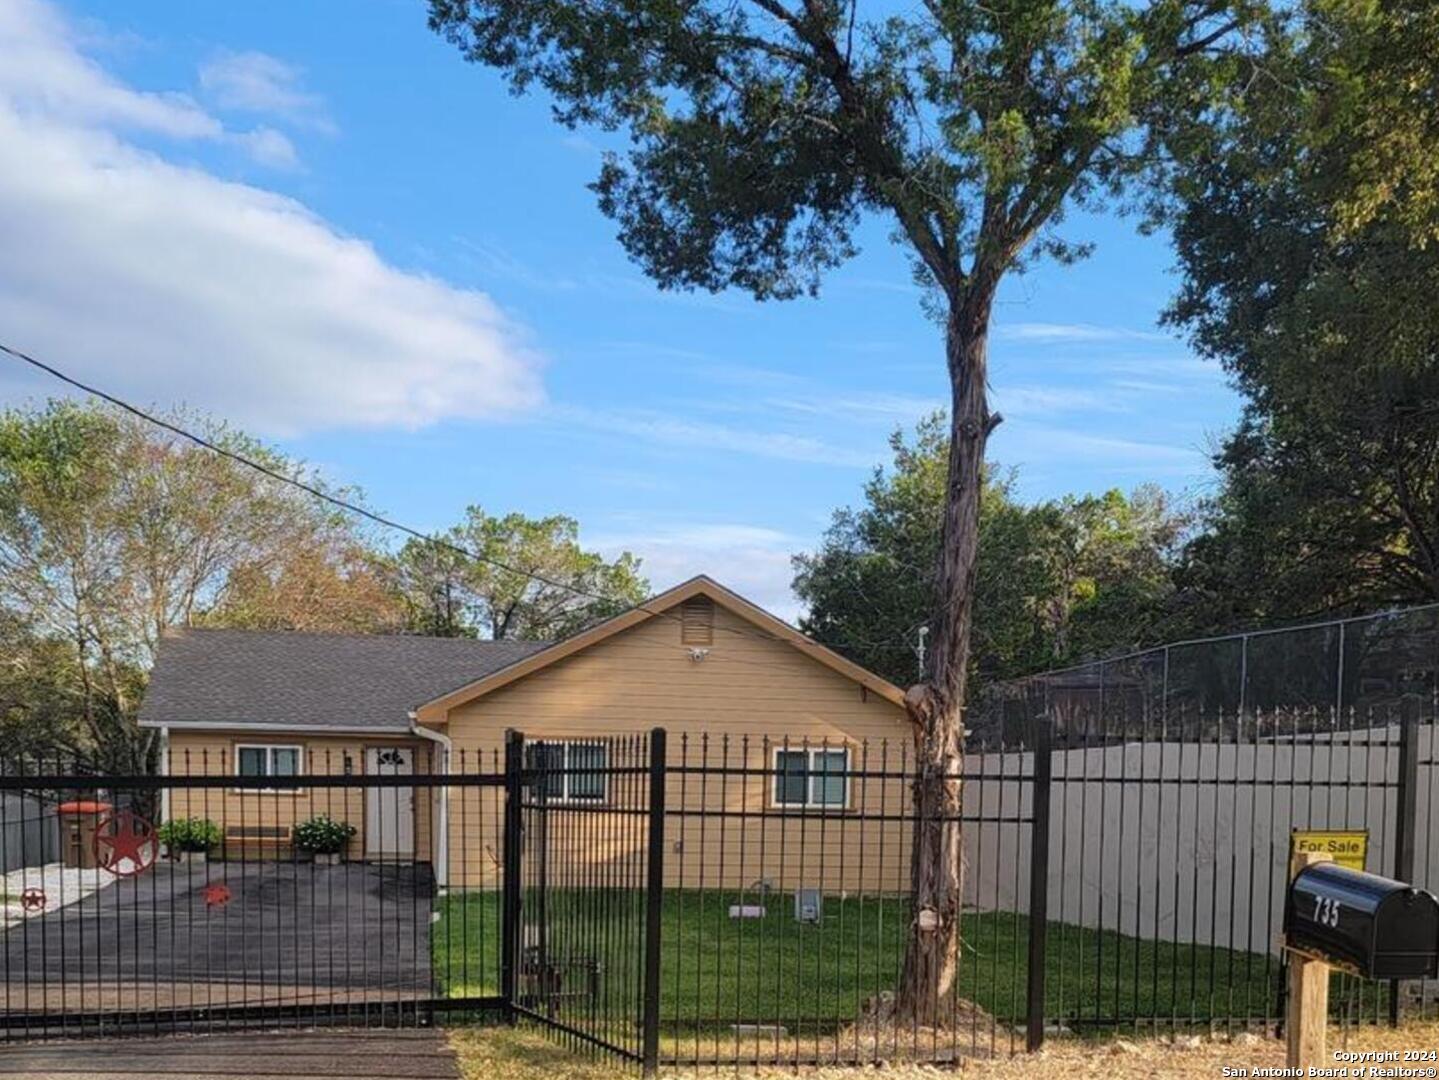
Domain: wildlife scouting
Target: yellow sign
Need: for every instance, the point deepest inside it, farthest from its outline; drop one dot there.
(1347, 847)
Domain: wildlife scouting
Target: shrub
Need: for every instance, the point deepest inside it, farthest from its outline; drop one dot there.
(322, 835)
(190, 834)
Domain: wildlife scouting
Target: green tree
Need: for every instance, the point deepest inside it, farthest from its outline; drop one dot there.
(1306, 236)
(1111, 559)
(324, 579)
(113, 531)
(533, 581)
(762, 131)
(1058, 580)
(37, 705)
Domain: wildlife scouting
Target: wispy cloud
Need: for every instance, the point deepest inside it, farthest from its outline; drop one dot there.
(868, 348)
(1073, 332)
(270, 147)
(1165, 370)
(257, 82)
(1053, 442)
(498, 264)
(1145, 386)
(751, 559)
(1048, 400)
(580, 144)
(873, 407)
(653, 349)
(667, 430)
(874, 284)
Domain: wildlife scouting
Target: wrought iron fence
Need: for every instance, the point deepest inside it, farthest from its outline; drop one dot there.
(209, 898)
(707, 899)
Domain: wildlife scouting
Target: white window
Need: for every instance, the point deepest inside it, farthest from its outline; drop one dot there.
(570, 771)
(811, 778)
(269, 760)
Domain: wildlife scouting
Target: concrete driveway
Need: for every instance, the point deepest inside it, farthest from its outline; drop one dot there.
(411, 1055)
(225, 934)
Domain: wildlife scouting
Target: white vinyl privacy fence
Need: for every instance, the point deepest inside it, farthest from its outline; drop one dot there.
(1188, 841)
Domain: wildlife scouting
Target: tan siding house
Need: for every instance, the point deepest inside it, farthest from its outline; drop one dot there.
(731, 685)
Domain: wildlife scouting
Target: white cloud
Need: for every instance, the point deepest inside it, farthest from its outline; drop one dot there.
(45, 76)
(259, 83)
(1073, 332)
(171, 284)
(1045, 400)
(667, 430)
(270, 147)
(1015, 443)
(862, 407)
(751, 560)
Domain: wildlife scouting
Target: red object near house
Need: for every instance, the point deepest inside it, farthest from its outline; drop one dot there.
(125, 844)
(83, 806)
(77, 826)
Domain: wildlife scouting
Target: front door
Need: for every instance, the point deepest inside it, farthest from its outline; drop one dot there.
(390, 810)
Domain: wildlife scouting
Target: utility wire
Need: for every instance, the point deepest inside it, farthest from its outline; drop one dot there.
(345, 504)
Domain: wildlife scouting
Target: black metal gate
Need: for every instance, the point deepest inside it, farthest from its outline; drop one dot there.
(582, 909)
(248, 885)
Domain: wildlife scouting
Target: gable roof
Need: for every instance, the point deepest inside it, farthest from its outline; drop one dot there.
(436, 710)
(298, 680)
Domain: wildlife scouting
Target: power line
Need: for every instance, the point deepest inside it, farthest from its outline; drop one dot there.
(345, 504)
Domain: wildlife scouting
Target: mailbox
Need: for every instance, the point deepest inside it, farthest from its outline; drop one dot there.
(1371, 925)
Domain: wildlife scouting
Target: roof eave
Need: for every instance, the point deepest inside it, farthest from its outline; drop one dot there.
(437, 711)
(401, 728)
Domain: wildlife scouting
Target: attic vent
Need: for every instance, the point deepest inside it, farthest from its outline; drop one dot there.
(697, 622)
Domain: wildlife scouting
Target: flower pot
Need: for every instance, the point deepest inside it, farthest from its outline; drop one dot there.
(327, 858)
(198, 857)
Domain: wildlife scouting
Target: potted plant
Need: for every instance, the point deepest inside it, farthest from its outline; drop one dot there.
(323, 837)
(190, 839)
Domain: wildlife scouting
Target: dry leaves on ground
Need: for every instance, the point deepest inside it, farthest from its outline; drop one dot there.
(525, 1054)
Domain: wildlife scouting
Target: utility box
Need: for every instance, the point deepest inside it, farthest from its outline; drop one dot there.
(1373, 926)
(77, 831)
(808, 905)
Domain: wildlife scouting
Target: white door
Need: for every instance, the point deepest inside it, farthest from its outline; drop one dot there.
(390, 811)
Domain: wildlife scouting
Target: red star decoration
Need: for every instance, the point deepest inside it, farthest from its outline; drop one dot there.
(32, 900)
(216, 895)
(126, 835)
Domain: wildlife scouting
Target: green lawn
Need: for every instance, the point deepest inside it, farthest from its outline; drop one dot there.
(717, 971)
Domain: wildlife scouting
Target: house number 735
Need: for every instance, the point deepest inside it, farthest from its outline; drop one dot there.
(1326, 911)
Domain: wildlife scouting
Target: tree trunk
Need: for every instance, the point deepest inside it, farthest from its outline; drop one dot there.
(936, 707)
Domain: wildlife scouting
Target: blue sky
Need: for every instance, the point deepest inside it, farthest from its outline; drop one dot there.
(315, 220)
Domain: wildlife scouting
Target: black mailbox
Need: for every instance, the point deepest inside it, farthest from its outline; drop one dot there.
(1371, 925)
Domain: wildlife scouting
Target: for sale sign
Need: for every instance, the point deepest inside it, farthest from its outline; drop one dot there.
(1347, 847)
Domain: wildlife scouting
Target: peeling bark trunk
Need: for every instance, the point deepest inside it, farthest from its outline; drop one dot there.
(936, 707)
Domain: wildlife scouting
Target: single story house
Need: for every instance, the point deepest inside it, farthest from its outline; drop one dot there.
(733, 686)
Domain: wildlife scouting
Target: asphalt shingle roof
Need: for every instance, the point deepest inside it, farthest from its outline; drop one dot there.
(252, 677)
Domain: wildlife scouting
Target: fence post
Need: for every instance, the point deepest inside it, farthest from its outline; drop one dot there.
(1406, 823)
(1039, 883)
(654, 900)
(510, 902)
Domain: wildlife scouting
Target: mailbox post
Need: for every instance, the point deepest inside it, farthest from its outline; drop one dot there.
(1306, 1007)
(1335, 916)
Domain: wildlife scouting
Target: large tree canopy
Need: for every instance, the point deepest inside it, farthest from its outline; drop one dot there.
(761, 131)
(1307, 236)
(1058, 580)
(532, 581)
(112, 531)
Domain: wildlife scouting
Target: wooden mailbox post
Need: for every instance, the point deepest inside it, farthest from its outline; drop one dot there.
(1306, 1012)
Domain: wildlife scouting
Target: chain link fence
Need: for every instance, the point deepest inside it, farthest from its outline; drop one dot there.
(1346, 668)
